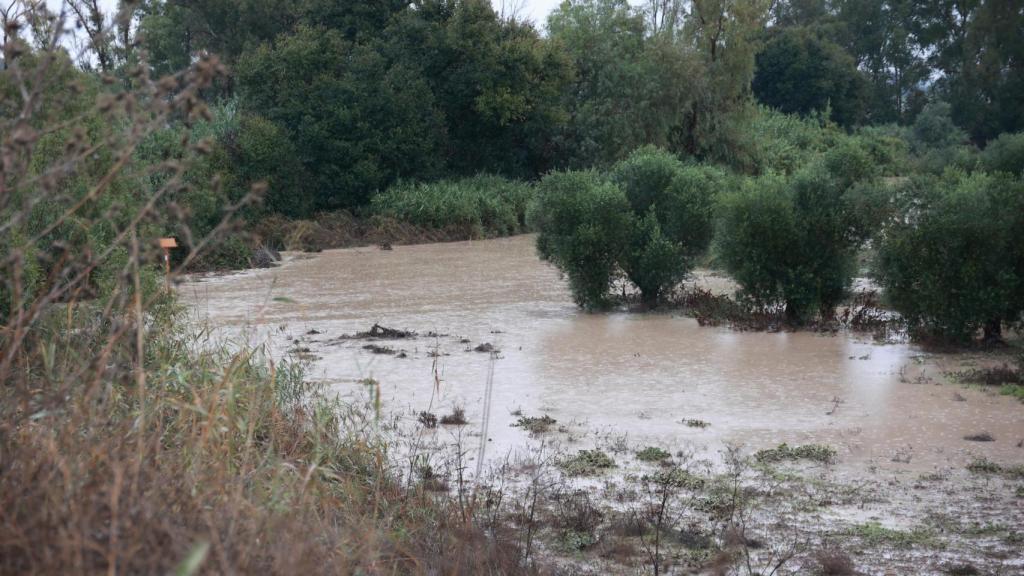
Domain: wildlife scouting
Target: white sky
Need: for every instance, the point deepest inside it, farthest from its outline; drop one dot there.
(534, 10)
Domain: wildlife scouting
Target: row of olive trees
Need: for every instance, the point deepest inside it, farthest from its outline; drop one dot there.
(789, 239)
(949, 249)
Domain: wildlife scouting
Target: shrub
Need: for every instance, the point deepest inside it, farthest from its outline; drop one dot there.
(785, 142)
(791, 241)
(1005, 154)
(587, 463)
(653, 454)
(815, 452)
(671, 209)
(583, 223)
(481, 206)
(954, 264)
(535, 424)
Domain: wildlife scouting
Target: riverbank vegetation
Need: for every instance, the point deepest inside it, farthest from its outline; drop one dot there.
(637, 142)
(791, 138)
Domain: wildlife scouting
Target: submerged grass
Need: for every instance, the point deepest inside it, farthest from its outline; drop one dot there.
(874, 534)
(814, 452)
(535, 424)
(587, 463)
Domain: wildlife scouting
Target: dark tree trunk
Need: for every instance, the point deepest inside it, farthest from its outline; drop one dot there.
(792, 315)
(993, 331)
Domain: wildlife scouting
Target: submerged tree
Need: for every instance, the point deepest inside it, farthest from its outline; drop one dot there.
(793, 240)
(955, 263)
(583, 223)
(672, 206)
(655, 212)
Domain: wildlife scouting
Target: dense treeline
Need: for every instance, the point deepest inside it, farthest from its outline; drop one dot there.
(355, 96)
(787, 137)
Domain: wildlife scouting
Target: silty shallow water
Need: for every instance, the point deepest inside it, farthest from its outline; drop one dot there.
(617, 373)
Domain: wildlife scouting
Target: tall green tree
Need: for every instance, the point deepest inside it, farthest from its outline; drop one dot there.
(613, 102)
(800, 72)
(358, 122)
(978, 47)
(881, 36)
(498, 84)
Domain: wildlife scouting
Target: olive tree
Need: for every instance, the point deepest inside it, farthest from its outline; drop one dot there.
(672, 205)
(663, 222)
(955, 264)
(792, 241)
(584, 224)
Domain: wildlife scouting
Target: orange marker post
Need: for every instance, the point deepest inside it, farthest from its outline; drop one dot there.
(167, 244)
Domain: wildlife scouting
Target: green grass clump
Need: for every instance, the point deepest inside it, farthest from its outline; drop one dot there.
(874, 534)
(587, 463)
(653, 454)
(984, 466)
(478, 207)
(676, 478)
(1015, 390)
(815, 452)
(535, 424)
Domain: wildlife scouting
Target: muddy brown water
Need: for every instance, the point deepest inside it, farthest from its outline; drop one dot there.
(620, 373)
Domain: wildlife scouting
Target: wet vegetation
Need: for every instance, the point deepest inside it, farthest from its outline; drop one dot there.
(587, 463)
(639, 143)
(813, 452)
(536, 424)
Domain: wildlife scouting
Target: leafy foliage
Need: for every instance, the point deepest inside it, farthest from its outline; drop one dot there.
(791, 241)
(954, 265)
(480, 206)
(358, 122)
(800, 72)
(583, 222)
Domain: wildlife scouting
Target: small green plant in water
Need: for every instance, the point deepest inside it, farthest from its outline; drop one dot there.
(984, 466)
(696, 423)
(1015, 390)
(586, 463)
(574, 541)
(535, 424)
(874, 534)
(653, 454)
(815, 452)
(676, 478)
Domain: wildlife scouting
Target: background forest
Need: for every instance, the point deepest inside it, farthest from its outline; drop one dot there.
(794, 145)
(830, 127)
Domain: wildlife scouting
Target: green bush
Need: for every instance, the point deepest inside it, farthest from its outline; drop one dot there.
(954, 264)
(792, 241)
(785, 142)
(665, 222)
(1005, 154)
(584, 223)
(672, 207)
(481, 206)
(265, 154)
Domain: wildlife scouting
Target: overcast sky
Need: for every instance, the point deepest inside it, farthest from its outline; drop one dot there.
(535, 10)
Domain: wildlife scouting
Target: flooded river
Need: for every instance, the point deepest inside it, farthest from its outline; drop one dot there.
(636, 375)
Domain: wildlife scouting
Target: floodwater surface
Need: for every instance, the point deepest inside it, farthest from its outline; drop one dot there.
(631, 374)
